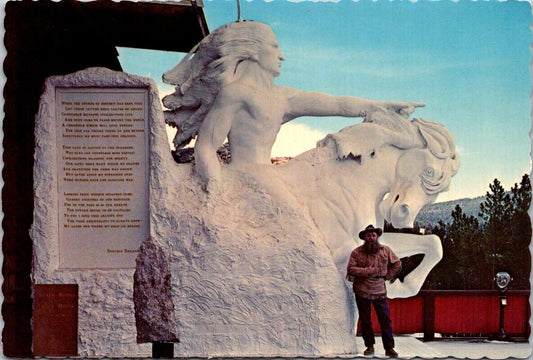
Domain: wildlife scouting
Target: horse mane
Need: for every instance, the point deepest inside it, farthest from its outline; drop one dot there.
(441, 143)
(414, 134)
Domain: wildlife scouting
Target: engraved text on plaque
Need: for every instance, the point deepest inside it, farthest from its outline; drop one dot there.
(103, 176)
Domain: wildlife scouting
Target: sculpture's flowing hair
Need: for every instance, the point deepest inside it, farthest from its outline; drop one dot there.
(430, 135)
(210, 65)
(413, 134)
(441, 143)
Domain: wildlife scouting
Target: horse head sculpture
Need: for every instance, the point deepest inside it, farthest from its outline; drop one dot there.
(369, 172)
(421, 174)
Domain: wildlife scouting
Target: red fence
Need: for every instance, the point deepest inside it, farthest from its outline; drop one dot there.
(459, 313)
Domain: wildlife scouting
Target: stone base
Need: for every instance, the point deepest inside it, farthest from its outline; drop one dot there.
(250, 273)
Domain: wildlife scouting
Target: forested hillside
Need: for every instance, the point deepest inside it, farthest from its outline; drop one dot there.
(432, 213)
(481, 237)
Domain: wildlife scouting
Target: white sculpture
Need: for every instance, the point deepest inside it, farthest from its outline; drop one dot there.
(259, 269)
(346, 188)
(256, 268)
(225, 88)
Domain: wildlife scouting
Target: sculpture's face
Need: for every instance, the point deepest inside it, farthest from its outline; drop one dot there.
(270, 55)
(408, 194)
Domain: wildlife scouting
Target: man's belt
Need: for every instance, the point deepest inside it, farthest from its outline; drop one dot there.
(351, 278)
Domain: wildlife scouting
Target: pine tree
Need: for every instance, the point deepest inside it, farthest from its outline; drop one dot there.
(442, 275)
(519, 258)
(474, 251)
(467, 236)
(496, 211)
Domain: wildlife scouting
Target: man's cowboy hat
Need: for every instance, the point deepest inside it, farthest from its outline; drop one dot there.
(370, 228)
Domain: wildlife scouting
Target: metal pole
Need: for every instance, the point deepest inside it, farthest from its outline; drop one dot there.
(239, 18)
(199, 18)
(501, 333)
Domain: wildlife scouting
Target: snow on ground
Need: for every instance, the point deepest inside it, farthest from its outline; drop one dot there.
(410, 347)
(477, 349)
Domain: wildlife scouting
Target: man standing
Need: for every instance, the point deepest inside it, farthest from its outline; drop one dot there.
(369, 266)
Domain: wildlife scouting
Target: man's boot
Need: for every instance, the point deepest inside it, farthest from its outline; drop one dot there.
(391, 353)
(369, 350)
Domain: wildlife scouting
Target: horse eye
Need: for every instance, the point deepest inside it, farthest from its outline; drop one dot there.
(429, 171)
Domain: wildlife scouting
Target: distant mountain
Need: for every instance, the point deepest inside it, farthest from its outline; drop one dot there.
(432, 213)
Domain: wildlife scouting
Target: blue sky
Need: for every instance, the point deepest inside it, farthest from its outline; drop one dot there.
(468, 61)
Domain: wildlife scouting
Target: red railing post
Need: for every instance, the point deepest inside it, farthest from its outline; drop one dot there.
(429, 315)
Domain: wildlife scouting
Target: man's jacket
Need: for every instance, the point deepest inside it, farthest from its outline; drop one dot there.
(372, 286)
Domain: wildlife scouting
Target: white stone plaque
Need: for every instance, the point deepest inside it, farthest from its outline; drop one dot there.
(103, 167)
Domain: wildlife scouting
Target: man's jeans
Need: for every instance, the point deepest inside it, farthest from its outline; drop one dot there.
(382, 311)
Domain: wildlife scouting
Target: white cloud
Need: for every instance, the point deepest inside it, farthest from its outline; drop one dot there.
(171, 132)
(294, 139)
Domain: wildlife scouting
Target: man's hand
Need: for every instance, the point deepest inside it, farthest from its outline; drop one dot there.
(404, 109)
(371, 271)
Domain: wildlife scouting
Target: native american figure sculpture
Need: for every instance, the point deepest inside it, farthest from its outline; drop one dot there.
(256, 267)
(225, 88)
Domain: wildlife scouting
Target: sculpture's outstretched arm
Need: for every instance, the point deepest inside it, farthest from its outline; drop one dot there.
(309, 103)
(212, 133)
